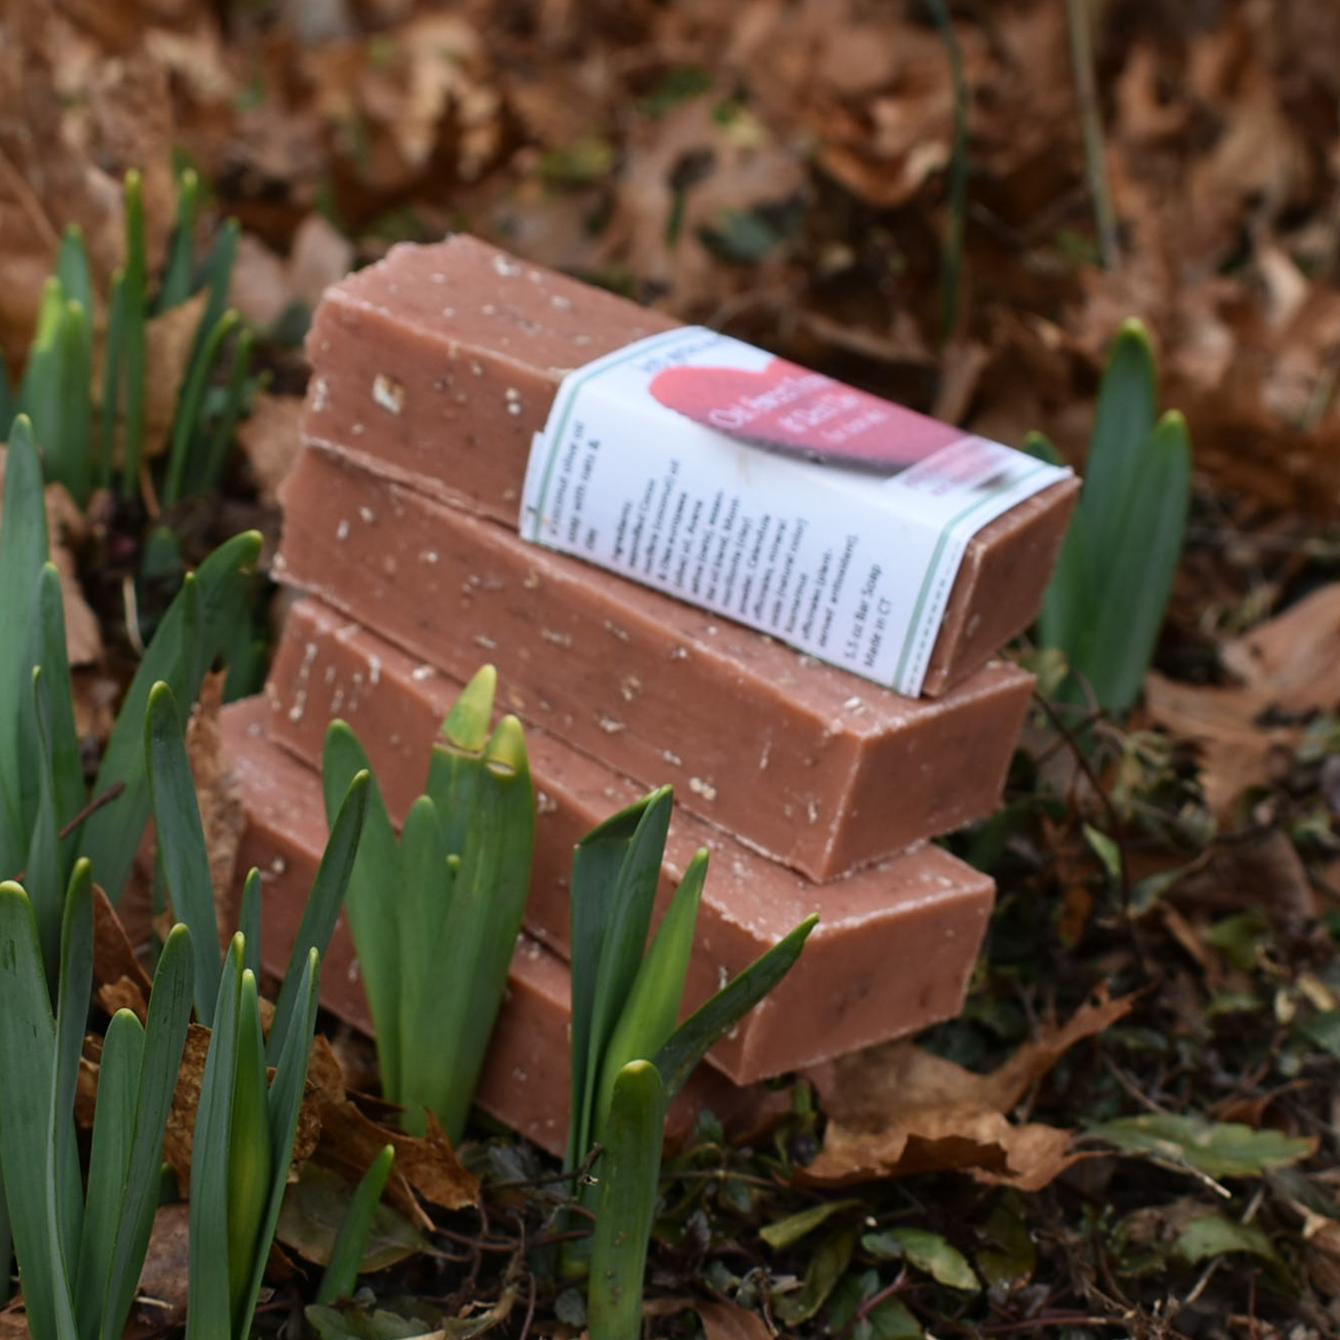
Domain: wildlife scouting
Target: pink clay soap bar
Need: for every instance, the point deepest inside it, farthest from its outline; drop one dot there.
(804, 762)
(896, 942)
(438, 365)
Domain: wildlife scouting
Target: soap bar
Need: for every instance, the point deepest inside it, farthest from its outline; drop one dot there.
(819, 770)
(525, 1081)
(896, 942)
(438, 364)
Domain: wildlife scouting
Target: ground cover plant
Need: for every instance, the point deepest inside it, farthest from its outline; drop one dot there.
(1129, 1131)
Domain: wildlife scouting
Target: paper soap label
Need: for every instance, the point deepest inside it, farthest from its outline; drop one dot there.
(752, 487)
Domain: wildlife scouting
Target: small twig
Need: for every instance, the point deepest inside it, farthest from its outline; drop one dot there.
(1080, 18)
(577, 1176)
(880, 1296)
(93, 806)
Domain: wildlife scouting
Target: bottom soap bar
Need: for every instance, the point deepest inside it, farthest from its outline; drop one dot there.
(525, 1082)
(896, 942)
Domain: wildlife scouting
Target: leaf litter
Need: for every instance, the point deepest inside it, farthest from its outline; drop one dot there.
(782, 171)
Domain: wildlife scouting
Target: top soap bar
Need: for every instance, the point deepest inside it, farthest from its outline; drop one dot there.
(439, 364)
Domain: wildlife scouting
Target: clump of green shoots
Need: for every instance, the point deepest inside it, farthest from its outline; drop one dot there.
(81, 1251)
(243, 1143)
(435, 915)
(628, 1057)
(51, 825)
(58, 392)
(47, 817)
(246, 1124)
(1107, 599)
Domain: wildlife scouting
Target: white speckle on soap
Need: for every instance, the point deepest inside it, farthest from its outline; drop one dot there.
(358, 429)
(630, 686)
(614, 630)
(329, 676)
(702, 788)
(581, 340)
(368, 515)
(342, 530)
(812, 809)
(672, 758)
(557, 638)
(421, 672)
(389, 566)
(560, 302)
(487, 643)
(374, 669)
(320, 395)
(545, 803)
(532, 581)
(278, 865)
(765, 755)
(280, 562)
(429, 556)
(854, 705)
(448, 313)
(507, 269)
(611, 726)
(437, 277)
(388, 393)
(295, 712)
(678, 653)
(476, 369)
(489, 309)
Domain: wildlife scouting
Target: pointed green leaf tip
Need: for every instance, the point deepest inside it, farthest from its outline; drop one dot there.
(1132, 328)
(507, 748)
(467, 725)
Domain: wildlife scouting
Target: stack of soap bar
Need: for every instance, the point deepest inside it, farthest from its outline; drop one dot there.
(896, 941)
(813, 790)
(440, 363)
(525, 1081)
(816, 768)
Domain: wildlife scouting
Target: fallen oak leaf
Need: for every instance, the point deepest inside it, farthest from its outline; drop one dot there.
(114, 961)
(424, 1167)
(729, 1321)
(1290, 663)
(270, 439)
(314, 1211)
(896, 1110)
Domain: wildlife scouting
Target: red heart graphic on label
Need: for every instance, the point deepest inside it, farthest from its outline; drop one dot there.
(789, 408)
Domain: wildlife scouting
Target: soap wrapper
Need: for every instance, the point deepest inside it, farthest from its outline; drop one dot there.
(769, 494)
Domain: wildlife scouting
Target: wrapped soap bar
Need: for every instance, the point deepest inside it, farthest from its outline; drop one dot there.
(896, 942)
(525, 1082)
(812, 767)
(440, 364)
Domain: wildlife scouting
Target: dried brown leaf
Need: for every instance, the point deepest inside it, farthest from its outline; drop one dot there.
(271, 439)
(114, 958)
(728, 1321)
(896, 1110)
(162, 1294)
(170, 338)
(427, 1167)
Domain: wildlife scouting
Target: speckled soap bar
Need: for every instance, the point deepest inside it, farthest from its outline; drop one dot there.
(438, 364)
(525, 1082)
(807, 764)
(895, 944)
